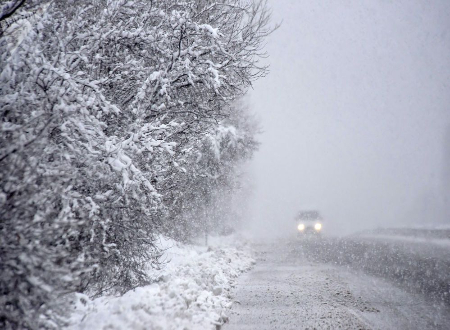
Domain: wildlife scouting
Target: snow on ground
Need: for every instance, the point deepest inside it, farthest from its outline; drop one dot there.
(193, 291)
(290, 289)
(426, 240)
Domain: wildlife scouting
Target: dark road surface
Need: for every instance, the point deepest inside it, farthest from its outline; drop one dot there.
(419, 265)
(352, 283)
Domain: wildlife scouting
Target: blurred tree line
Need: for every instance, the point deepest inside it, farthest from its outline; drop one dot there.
(120, 121)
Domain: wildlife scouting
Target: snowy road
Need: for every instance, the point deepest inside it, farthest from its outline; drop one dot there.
(292, 287)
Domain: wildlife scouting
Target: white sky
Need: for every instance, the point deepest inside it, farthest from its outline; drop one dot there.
(353, 112)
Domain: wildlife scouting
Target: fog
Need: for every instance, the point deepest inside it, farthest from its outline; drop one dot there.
(354, 115)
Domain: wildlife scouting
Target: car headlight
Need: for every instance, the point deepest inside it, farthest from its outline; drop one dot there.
(301, 227)
(318, 226)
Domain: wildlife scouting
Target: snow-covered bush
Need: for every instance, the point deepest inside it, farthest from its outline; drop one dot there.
(114, 112)
(203, 202)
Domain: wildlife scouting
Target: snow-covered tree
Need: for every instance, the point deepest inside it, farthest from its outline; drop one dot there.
(113, 112)
(211, 174)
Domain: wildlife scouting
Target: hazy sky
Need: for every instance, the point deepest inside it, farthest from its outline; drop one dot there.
(353, 112)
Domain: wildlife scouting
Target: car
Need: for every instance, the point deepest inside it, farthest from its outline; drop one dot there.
(309, 223)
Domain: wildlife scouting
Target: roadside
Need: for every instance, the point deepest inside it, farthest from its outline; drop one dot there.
(191, 292)
(288, 290)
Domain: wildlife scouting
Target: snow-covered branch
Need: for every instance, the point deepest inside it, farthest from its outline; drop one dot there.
(119, 122)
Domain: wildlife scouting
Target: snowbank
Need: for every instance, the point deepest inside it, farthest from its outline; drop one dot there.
(192, 292)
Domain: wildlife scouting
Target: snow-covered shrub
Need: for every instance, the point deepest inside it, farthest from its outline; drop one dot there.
(212, 175)
(113, 112)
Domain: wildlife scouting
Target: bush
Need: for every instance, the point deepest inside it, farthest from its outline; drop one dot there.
(118, 123)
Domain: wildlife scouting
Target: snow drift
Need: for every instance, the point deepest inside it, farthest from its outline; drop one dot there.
(191, 292)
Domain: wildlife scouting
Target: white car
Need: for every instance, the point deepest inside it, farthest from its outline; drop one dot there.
(309, 223)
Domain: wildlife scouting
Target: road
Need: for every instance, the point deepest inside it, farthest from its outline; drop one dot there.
(310, 285)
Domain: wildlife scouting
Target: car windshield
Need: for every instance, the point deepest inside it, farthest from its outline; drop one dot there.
(308, 216)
